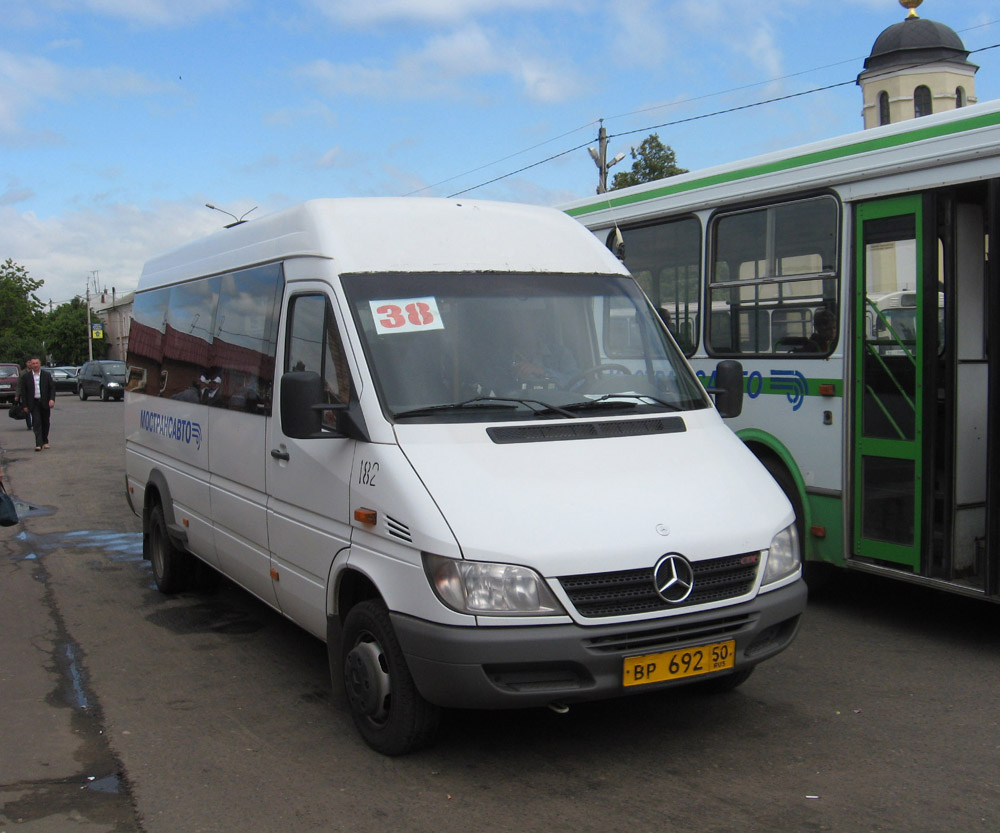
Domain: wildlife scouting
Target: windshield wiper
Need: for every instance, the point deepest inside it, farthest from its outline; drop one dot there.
(614, 400)
(486, 402)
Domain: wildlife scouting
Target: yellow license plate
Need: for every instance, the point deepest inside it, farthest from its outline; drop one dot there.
(674, 665)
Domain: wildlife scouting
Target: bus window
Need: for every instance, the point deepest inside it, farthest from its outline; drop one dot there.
(665, 259)
(772, 267)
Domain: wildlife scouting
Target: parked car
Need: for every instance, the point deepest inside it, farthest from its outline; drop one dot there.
(9, 374)
(102, 378)
(64, 378)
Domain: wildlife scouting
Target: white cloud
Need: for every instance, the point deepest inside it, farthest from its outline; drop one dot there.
(116, 240)
(39, 14)
(27, 82)
(743, 36)
(159, 12)
(333, 158)
(293, 116)
(15, 192)
(372, 12)
(443, 66)
(641, 32)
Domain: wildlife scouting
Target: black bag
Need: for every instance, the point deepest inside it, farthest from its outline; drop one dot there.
(8, 512)
(17, 411)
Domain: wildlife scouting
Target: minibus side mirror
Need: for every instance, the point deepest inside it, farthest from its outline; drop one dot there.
(728, 388)
(302, 407)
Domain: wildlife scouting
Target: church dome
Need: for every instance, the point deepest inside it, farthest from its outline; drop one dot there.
(916, 41)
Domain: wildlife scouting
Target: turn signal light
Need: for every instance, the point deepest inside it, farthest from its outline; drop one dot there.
(827, 390)
(818, 531)
(366, 516)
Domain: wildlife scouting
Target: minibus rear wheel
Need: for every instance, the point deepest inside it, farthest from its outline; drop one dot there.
(170, 564)
(388, 710)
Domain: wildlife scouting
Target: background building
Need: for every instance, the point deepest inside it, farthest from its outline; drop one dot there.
(916, 68)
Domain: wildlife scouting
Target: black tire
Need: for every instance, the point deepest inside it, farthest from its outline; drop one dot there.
(82, 393)
(171, 565)
(721, 683)
(390, 713)
(105, 396)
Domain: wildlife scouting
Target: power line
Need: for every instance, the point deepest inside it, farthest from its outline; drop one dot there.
(671, 123)
(510, 156)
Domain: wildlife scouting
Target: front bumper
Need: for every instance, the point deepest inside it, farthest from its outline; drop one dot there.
(517, 667)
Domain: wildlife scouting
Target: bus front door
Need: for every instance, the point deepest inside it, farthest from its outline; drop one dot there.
(892, 266)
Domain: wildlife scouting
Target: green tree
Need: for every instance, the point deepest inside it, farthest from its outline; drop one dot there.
(20, 314)
(652, 160)
(66, 333)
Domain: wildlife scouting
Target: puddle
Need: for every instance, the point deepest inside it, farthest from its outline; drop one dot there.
(30, 510)
(118, 546)
(77, 677)
(107, 784)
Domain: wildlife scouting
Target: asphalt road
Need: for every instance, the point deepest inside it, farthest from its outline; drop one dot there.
(122, 710)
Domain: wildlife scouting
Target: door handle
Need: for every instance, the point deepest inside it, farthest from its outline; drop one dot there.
(278, 454)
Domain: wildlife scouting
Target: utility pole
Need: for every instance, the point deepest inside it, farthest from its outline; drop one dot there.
(600, 158)
(90, 340)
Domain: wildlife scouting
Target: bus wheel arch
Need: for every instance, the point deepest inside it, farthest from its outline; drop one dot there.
(783, 469)
(818, 574)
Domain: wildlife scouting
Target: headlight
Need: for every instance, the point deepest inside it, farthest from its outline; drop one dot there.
(114, 385)
(484, 589)
(783, 557)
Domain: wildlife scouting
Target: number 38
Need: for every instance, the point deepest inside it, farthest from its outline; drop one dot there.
(417, 314)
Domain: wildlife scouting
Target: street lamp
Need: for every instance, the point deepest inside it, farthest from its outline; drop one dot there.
(600, 159)
(237, 219)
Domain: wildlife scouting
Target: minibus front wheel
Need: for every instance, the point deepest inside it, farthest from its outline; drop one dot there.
(388, 710)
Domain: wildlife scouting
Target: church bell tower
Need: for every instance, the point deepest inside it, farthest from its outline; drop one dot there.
(916, 68)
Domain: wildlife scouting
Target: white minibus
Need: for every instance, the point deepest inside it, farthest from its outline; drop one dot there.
(454, 440)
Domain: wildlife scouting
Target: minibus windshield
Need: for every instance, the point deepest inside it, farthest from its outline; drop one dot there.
(496, 346)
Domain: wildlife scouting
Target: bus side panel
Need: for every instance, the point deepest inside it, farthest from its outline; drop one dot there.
(238, 498)
(792, 399)
(173, 436)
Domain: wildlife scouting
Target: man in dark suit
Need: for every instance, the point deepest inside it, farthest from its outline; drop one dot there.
(37, 394)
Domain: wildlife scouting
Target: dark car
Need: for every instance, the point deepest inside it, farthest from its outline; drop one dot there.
(64, 378)
(103, 378)
(9, 374)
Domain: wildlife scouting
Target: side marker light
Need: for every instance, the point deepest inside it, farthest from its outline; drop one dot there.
(366, 516)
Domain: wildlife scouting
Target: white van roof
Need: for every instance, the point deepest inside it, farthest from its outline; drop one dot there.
(395, 234)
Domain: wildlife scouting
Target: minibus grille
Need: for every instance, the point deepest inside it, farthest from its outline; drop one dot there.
(627, 592)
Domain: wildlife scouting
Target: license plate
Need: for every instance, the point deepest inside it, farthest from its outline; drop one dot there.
(674, 665)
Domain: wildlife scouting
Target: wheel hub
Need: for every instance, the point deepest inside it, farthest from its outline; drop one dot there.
(367, 680)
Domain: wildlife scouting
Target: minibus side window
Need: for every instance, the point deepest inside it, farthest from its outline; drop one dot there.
(246, 334)
(145, 342)
(314, 343)
(188, 338)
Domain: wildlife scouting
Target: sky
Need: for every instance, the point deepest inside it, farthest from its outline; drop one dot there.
(121, 119)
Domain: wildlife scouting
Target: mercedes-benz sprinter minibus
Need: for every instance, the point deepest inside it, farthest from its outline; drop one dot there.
(454, 440)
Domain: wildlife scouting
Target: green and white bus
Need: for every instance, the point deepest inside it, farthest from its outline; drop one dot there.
(858, 281)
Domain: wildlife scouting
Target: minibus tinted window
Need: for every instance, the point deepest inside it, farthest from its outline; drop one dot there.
(533, 341)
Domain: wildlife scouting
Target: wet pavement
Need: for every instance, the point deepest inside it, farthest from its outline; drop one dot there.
(57, 769)
(125, 710)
